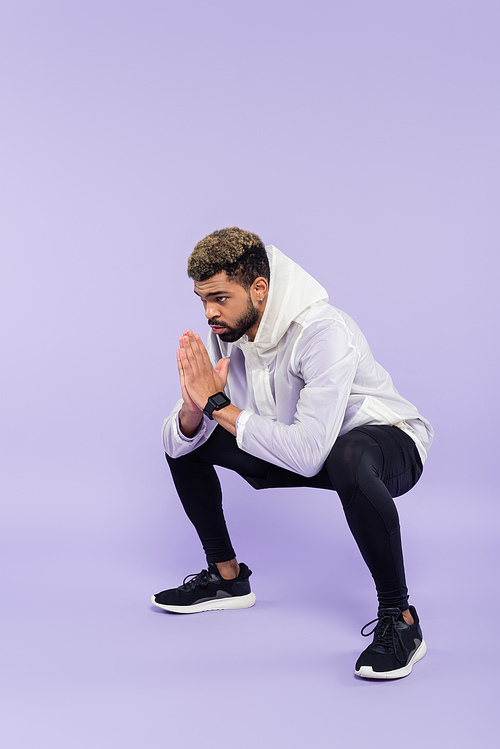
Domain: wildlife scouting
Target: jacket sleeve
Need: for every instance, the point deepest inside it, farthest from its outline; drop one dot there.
(326, 358)
(175, 443)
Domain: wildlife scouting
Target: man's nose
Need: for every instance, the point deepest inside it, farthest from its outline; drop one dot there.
(211, 311)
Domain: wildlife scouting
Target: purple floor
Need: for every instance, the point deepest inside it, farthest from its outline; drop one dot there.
(89, 662)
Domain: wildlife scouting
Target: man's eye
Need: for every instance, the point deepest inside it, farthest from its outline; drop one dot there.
(221, 298)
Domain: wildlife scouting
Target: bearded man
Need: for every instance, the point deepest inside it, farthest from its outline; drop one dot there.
(288, 394)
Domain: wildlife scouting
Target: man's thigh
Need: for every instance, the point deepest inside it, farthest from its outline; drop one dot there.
(383, 452)
(395, 461)
(399, 469)
(222, 450)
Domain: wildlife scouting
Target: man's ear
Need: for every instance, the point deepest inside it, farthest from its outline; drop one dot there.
(260, 289)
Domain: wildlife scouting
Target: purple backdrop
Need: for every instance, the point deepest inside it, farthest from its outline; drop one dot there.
(360, 138)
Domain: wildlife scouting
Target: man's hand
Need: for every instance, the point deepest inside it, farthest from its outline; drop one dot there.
(190, 415)
(199, 380)
(189, 404)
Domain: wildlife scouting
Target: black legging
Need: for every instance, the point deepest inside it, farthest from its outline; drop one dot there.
(366, 467)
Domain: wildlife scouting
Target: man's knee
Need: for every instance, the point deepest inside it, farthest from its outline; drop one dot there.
(348, 454)
(184, 464)
(173, 461)
(349, 448)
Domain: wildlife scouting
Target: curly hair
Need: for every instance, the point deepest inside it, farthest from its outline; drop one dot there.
(238, 253)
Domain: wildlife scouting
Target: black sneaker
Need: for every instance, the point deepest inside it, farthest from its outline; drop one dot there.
(395, 648)
(208, 591)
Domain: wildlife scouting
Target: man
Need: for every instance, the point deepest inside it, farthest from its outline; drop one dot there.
(289, 394)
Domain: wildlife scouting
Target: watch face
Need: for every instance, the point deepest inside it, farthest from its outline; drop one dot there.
(219, 400)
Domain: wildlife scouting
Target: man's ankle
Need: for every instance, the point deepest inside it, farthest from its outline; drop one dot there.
(228, 570)
(408, 617)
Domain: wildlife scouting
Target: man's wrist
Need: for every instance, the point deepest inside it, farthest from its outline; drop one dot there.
(227, 418)
(189, 421)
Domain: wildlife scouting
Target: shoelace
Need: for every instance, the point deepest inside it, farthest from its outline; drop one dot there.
(199, 578)
(387, 635)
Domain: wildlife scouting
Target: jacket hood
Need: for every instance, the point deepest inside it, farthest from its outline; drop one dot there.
(291, 291)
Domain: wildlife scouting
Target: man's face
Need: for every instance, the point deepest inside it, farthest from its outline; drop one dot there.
(228, 308)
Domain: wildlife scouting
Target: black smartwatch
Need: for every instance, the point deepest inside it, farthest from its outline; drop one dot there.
(215, 403)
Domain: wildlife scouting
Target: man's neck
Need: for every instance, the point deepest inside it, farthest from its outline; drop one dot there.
(252, 332)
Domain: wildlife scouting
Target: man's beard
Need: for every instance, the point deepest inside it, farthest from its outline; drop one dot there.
(242, 324)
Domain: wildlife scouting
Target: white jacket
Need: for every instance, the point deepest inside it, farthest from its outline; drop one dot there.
(308, 377)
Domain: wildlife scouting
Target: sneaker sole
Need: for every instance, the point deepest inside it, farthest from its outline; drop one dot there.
(235, 602)
(366, 672)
